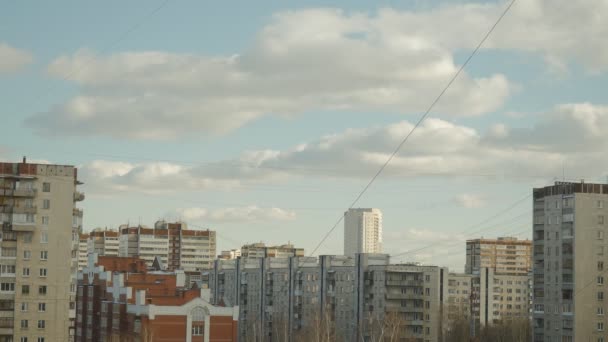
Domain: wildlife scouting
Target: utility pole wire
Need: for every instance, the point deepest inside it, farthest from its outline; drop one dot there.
(418, 123)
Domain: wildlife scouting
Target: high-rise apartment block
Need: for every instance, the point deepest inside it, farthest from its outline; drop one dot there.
(349, 299)
(570, 262)
(505, 255)
(177, 246)
(230, 254)
(103, 242)
(260, 250)
(120, 299)
(38, 251)
(362, 231)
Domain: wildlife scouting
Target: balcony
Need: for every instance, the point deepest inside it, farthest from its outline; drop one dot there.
(24, 226)
(396, 295)
(24, 192)
(78, 196)
(390, 282)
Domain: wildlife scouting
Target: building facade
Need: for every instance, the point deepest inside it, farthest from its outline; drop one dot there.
(119, 299)
(348, 299)
(177, 246)
(39, 251)
(103, 242)
(260, 250)
(230, 254)
(506, 255)
(570, 254)
(362, 231)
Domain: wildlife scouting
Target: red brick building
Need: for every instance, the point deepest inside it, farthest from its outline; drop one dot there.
(119, 299)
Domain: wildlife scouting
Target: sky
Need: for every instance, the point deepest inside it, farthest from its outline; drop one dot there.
(265, 120)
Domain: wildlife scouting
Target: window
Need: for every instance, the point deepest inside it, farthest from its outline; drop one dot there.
(600, 265)
(41, 324)
(600, 311)
(44, 236)
(43, 272)
(26, 272)
(24, 306)
(600, 204)
(600, 295)
(427, 278)
(46, 187)
(9, 252)
(600, 326)
(24, 324)
(42, 290)
(46, 204)
(27, 237)
(197, 330)
(45, 220)
(23, 339)
(600, 250)
(44, 255)
(600, 235)
(7, 287)
(7, 269)
(27, 255)
(40, 339)
(25, 289)
(42, 307)
(600, 280)
(600, 219)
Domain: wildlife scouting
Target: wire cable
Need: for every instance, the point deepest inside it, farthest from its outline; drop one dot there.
(418, 123)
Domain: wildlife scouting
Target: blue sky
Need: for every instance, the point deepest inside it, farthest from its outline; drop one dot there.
(264, 121)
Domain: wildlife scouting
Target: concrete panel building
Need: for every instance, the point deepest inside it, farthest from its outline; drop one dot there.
(505, 255)
(39, 251)
(260, 250)
(570, 260)
(177, 246)
(284, 299)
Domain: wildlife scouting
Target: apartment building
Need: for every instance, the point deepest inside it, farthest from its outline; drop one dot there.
(177, 246)
(570, 251)
(405, 299)
(103, 242)
(501, 298)
(459, 299)
(120, 299)
(506, 255)
(362, 231)
(39, 251)
(230, 254)
(260, 250)
(286, 299)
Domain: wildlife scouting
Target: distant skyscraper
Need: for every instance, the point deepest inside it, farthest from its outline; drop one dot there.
(362, 231)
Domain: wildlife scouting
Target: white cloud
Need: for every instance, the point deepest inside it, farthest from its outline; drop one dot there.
(470, 201)
(238, 214)
(568, 137)
(308, 60)
(13, 59)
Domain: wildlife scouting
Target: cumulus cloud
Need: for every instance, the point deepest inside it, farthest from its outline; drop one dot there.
(13, 59)
(470, 201)
(239, 214)
(568, 136)
(302, 61)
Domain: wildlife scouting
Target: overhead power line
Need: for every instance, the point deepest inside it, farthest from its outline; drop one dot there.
(418, 123)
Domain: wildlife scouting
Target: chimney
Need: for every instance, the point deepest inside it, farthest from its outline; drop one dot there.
(24, 160)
